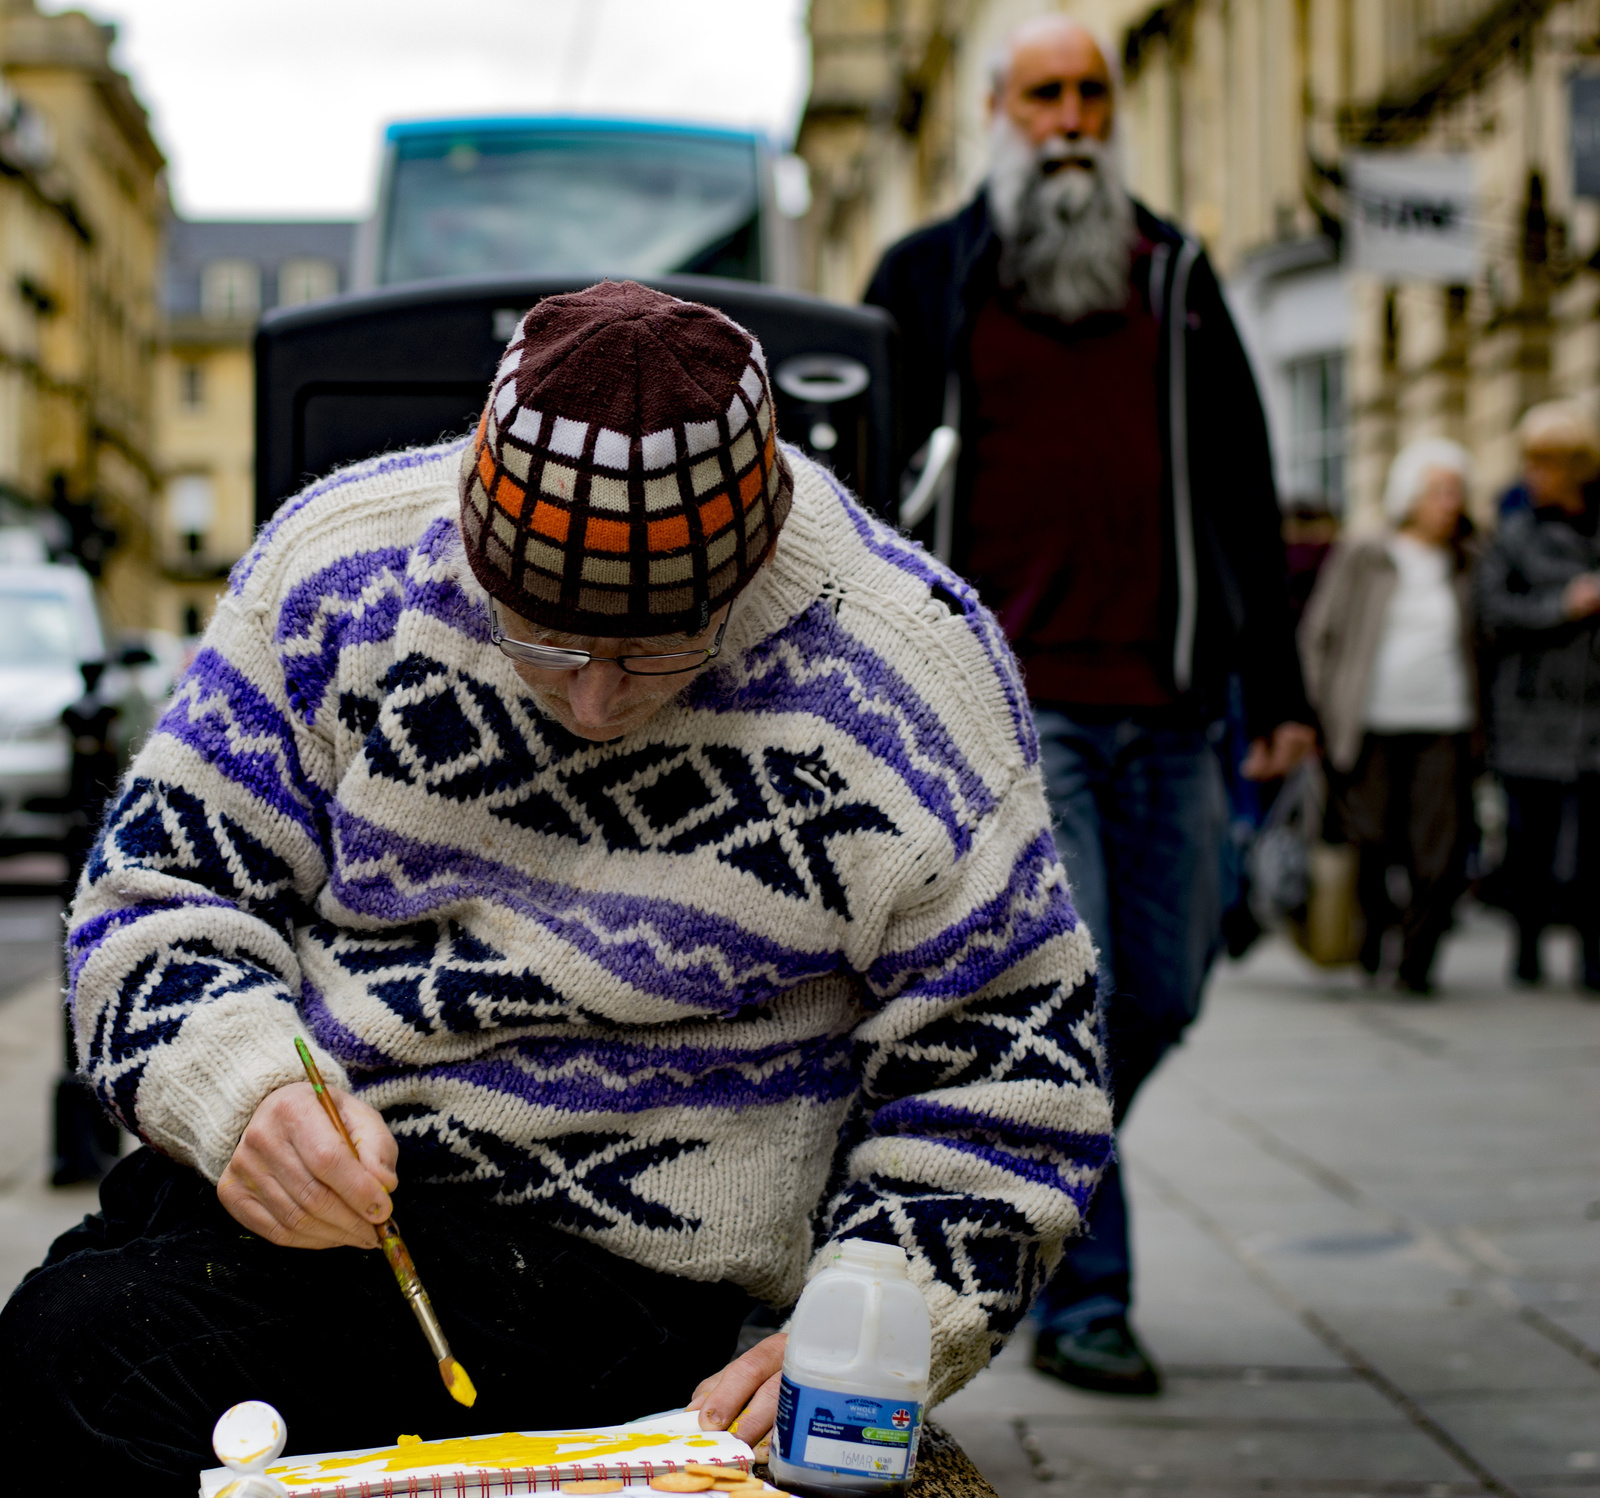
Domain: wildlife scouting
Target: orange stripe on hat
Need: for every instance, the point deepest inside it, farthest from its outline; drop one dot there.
(606, 535)
(551, 520)
(670, 534)
(509, 497)
(715, 513)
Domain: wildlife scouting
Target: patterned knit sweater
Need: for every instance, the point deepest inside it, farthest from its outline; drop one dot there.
(794, 961)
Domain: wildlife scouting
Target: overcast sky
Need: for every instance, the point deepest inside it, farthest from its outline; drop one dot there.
(274, 108)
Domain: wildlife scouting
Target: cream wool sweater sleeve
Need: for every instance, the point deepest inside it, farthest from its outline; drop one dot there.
(981, 1103)
(220, 848)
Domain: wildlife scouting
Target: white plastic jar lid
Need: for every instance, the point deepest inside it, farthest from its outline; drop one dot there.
(864, 1253)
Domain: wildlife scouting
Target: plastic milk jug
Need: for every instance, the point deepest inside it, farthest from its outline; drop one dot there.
(855, 1376)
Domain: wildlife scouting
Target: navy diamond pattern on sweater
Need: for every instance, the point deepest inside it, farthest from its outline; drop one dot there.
(442, 979)
(160, 826)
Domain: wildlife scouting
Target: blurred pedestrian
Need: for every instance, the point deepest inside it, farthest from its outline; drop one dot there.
(1560, 447)
(1539, 602)
(1388, 646)
(1115, 507)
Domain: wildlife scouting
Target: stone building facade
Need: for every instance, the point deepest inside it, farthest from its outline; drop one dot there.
(1239, 119)
(81, 204)
(218, 278)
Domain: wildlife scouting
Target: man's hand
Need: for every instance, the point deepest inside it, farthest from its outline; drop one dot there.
(1582, 596)
(1273, 759)
(293, 1180)
(744, 1396)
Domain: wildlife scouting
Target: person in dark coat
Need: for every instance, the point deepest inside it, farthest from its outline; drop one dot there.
(1114, 504)
(1539, 606)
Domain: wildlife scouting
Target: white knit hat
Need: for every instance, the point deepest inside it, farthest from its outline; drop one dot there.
(1408, 474)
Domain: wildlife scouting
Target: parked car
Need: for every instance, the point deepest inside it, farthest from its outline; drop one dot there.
(49, 630)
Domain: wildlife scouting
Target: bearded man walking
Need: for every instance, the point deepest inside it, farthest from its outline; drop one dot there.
(1115, 506)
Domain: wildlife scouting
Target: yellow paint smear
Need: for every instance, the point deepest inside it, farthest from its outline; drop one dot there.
(475, 1451)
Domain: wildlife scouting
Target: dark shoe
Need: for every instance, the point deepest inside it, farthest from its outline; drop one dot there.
(1371, 956)
(1590, 982)
(1528, 972)
(1105, 1357)
(1414, 987)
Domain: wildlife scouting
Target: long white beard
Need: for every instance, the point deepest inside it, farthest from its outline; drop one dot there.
(1066, 235)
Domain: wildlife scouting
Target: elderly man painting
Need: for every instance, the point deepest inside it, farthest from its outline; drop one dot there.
(654, 850)
(1115, 507)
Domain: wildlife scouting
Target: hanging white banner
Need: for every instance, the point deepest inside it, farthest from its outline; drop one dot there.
(1411, 216)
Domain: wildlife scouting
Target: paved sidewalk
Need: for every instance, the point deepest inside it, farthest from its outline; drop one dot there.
(1368, 1238)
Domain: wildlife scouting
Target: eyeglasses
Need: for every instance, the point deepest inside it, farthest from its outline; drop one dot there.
(559, 658)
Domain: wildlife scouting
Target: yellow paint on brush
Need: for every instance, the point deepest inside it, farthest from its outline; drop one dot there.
(473, 1451)
(457, 1382)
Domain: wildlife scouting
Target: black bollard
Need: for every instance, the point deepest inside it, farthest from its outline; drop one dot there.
(87, 1141)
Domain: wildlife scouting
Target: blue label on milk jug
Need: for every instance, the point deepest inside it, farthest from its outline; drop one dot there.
(846, 1432)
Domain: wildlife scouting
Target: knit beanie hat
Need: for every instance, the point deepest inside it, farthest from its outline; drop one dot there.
(625, 477)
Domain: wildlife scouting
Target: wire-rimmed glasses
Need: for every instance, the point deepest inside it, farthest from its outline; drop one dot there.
(560, 658)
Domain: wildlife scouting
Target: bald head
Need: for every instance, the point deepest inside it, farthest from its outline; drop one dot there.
(1052, 78)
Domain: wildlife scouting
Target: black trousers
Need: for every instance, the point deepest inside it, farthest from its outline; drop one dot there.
(157, 1313)
(1536, 808)
(1408, 802)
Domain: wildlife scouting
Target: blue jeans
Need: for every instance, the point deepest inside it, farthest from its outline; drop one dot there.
(1139, 814)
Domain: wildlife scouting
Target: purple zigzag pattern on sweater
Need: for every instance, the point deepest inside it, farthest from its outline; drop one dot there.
(274, 776)
(634, 1079)
(594, 923)
(370, 468)
(1040, 1172)
(85, 940)
(928, 1118)
(854, 681)
(958, 960)
(321, 605)
(338, 1039)
(908, 556)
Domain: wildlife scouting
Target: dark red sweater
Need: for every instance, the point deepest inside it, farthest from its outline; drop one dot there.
(1065, 529)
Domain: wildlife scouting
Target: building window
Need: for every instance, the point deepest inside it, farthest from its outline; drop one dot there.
(306, 280)
(192, 508)
(1316, 433)
(191, 386)
(230, 291)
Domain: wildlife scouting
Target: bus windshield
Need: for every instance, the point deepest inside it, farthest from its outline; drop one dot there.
(570, 200)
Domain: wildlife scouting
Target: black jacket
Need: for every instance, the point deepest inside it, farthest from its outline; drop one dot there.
(1544, 668)
(1225, 606)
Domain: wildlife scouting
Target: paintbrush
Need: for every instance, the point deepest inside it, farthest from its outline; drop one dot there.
(394, 1250)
